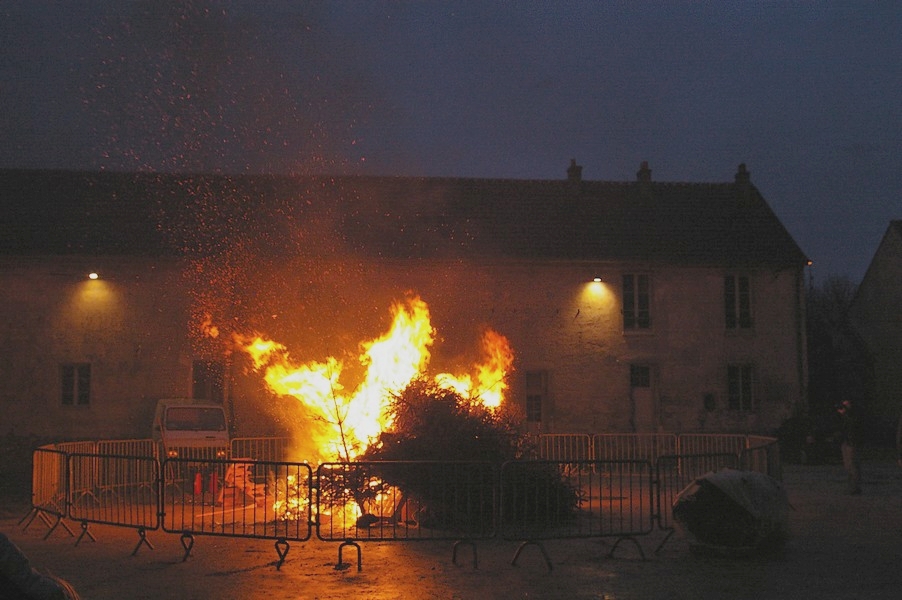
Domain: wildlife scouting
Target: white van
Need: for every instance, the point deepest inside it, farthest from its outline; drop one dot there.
(186, 428)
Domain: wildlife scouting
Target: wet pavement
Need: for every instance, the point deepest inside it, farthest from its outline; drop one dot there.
(840, 547)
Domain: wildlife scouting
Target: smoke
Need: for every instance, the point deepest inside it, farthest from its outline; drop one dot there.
(200, 86)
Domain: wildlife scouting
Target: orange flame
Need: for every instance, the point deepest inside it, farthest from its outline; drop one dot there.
(352, 421)
(489, 383)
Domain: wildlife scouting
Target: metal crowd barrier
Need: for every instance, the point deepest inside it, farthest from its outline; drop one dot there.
(565, 446)
(542, 500)
(145, 447)
(407, 500)
(118, 490)
(238, 498)
(623, 495)
(763, 455)
(711, 443)
(635, 446)
(49, 486)
(648, 446)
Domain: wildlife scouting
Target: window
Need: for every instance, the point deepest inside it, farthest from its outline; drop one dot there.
(640, 376)
(536, 394)
(636, 306)
(741, 387)
(195, 418)
(737, 301)
(75, 384)
(207, 381)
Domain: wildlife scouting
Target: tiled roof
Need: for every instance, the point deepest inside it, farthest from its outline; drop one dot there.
(61, 212)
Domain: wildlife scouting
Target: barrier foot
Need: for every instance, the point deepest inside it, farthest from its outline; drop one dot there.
(282, 549)
(664, 541)
(142, 534)
(85, 532)
(541, 549)
(341, 565)
(36, 512)
(630, 538)
(29, 516)
(187, 541)
(56, 523)
(470, 543)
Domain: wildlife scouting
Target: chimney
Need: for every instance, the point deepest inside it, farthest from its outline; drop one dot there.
(574, 172)
(644, 173)
(742, 175)
(743, 184)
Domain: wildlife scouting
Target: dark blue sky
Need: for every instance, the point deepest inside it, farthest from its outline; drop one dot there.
(807, 94)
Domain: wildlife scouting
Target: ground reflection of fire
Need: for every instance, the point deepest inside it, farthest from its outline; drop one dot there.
(354, 419)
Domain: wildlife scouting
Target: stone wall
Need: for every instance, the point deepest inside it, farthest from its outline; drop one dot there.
(143, 323)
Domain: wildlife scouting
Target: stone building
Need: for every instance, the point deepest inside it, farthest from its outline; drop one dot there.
(877, 318)
(629, 306)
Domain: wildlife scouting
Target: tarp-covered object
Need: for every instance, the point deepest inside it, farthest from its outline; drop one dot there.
(733, 510)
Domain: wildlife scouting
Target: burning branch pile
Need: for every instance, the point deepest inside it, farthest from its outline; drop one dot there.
(350, 420)
(434, 426)
(430, 422)
(397, 434)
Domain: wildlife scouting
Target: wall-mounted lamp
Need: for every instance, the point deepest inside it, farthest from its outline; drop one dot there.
(597, 279)
(93, 275)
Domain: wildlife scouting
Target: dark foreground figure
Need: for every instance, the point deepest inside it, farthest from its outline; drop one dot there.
(20, 581)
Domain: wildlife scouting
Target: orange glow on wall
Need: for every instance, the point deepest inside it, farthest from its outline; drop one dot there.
(595, 290)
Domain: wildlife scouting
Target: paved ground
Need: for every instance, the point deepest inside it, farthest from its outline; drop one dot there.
(842, 547)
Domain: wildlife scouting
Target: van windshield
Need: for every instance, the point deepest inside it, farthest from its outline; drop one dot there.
(194, 418)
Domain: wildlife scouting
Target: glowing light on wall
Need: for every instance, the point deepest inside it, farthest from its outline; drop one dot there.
(595, 295)
(96, 292)
(592, 311)
(595, 289)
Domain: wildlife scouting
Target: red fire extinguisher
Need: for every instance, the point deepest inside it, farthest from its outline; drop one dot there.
(198, 484)
(213, 483)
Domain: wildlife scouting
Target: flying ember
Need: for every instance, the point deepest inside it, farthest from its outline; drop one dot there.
(352, 420)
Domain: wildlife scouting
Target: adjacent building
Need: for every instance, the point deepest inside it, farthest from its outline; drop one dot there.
(876, 314)
(631, 306)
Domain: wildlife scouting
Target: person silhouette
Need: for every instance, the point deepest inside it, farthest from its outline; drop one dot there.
(852, 438)
(20, 581)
